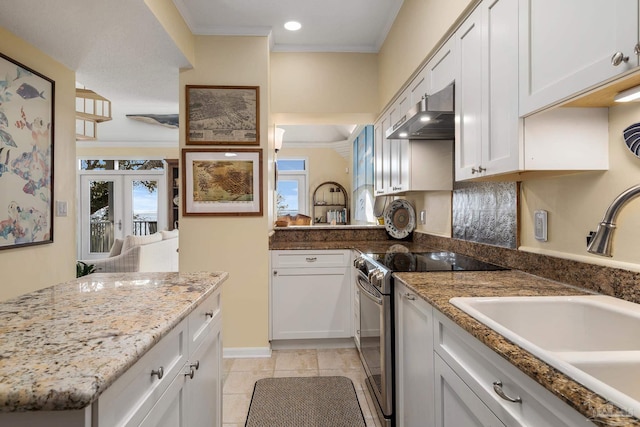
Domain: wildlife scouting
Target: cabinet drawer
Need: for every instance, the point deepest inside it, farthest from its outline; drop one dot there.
(284, 259)
(201, 319)
(127, 401)
(479, 367)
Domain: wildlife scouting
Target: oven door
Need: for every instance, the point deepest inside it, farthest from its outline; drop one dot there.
(375, 343)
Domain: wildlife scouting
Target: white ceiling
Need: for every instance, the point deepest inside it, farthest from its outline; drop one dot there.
(120, 50)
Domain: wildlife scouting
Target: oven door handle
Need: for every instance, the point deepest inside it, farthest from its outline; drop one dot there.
(368, 293)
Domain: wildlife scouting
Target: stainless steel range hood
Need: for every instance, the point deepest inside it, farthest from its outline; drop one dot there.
(431, 118)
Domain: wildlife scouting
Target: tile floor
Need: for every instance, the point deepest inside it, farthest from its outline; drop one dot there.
(240, 376)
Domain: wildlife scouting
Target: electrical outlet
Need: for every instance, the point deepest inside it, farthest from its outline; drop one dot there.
(540, 225)
(423, 217)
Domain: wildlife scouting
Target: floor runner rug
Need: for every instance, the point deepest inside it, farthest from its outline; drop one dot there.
(304, 402)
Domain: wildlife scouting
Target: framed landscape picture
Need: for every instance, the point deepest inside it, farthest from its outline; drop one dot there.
(26, 155)
(222, 182)
(222, 115)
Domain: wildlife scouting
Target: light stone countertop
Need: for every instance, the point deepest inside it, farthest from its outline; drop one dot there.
(437, 288)
(60, 347)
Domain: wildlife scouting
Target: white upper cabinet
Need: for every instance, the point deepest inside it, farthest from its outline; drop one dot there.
(567, 46)
(491, 138)
(440, 71)
(487, 130)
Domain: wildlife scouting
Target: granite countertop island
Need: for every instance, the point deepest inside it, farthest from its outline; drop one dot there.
(62, 346)
(437, 288)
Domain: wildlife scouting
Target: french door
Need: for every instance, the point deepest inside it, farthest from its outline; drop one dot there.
(113, 205)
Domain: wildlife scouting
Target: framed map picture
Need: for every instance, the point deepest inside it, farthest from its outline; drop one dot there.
(26, 155)
(223, 115)
(222, 182)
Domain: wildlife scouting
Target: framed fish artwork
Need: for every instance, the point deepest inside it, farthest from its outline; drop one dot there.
(222, 115)
(26, 155)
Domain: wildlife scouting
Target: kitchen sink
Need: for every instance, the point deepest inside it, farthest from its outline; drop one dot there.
(567, 323)
(594, 339)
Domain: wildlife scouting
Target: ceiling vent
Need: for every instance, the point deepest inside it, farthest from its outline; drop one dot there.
(91, 109)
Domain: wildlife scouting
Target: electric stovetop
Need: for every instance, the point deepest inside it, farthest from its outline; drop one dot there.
(430, 261)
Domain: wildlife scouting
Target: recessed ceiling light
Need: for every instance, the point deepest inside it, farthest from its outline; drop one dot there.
(425, 118)
(292, 25)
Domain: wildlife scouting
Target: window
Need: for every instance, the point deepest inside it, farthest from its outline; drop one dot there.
(292, 192)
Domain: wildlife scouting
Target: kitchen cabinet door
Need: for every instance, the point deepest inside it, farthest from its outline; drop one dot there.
(378, 139)
(441, 69)
(567, 47)
(310, 301)
(399, 148)
(488, 130)
(456, 404)
(414, 360)
(468, 96)
(205, 388)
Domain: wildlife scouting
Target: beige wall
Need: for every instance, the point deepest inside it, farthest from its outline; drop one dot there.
(324, 88)
(437, 205)
(418, 29)
(30, 268)
(325, 164)
(238, 245)
(577, 203)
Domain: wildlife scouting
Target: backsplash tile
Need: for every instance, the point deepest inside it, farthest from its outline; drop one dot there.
(486, 212)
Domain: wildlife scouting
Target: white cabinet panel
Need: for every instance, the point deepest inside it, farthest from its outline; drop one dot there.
(414, 360)
(441, 69)
(468, 96)
(456, 404)
(312, 302)
(567, 46)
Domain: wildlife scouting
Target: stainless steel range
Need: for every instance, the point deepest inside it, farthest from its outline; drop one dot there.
(376, 329)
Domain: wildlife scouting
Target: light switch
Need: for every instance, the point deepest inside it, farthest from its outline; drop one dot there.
(540, 225)
(61, 208)
(423, 217)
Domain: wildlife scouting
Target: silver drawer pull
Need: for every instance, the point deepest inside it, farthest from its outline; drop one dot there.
(410, 297)
(208, 314)
(158, 372)
(191, 373)
(311, 259)
(195, 365)
(497, 387)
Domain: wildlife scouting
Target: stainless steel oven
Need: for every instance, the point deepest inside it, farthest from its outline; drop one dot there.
(377, 329)
(376, 335)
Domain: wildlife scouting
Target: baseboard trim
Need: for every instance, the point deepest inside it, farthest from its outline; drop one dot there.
(313, 343)
(245, 352)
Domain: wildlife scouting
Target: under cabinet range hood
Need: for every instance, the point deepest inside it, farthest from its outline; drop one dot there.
(431, 118)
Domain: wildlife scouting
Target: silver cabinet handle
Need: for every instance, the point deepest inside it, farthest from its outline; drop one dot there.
(618, 58)
(410, 297)
(195, 365)
(191, 373)
(479, 170)
(158, 372)
(497, 387)
(311, 259)
(636, 49)
(208, 314)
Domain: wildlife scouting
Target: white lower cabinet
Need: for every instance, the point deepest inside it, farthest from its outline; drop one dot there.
(178, 382)
(447, 378)
(456, 405)
(414, 360)
(514, 398)
(311, 294)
